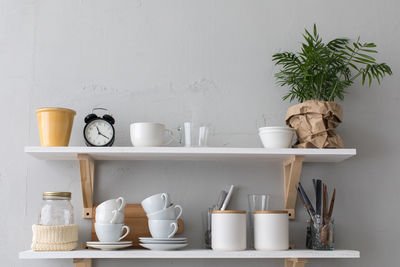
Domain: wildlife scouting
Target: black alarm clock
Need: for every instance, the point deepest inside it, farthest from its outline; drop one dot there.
(99, 131)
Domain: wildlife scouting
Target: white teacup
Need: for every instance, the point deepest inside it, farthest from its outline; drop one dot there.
(156, 203)
(163, 228)
(110, 216)
(166, 214)
(110, 232)
(149, 134)
(111, 211)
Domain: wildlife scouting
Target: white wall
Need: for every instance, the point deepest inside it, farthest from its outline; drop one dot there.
(206, 61)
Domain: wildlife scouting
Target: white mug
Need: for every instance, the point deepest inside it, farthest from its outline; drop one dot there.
(163, 228)
(156, 203)
(110, 232)
(149, 134)
(166, 214)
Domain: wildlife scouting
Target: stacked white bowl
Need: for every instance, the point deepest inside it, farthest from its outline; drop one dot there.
(110, 220)
(276, 137)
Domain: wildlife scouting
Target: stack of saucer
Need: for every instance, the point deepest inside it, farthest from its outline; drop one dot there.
(163, 243)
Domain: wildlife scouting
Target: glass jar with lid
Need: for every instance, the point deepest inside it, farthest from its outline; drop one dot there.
(56, 209)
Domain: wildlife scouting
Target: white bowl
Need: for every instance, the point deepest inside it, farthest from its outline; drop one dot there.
(276, 137)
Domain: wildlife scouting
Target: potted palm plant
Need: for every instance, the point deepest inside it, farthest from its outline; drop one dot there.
(318, 75)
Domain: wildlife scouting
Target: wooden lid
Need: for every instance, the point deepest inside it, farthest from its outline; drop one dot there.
(228, 211)
(270, 211)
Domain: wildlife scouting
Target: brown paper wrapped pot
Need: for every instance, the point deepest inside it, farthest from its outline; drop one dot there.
(315, 123)
(55, 125)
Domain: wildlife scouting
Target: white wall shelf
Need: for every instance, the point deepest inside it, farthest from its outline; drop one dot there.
(291, 159)
(188, 254)
(189, 153)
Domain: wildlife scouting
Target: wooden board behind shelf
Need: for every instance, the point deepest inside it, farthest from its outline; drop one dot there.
(136, 219)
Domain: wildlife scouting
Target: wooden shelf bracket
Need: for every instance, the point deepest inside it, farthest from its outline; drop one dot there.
(295, 262)
(86, 165)
(83, 262)
(292, 171)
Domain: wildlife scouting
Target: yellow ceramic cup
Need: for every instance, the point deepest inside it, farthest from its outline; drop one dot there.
(55, 125)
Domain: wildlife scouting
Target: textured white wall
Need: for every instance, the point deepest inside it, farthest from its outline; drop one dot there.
(206, 61)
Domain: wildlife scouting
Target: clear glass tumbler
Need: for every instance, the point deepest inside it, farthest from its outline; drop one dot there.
(256, 202)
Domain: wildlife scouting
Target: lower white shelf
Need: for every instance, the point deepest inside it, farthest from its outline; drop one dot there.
(187, 254)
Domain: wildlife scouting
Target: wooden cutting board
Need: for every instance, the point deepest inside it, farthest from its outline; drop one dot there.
(136, 219)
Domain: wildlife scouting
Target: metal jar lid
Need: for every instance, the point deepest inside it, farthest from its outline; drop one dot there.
(56, 194)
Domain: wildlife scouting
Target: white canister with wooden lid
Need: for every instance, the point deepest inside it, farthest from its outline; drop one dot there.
(271, 230)
(228, 230)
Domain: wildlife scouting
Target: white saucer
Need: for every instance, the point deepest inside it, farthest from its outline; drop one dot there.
(163, 246)
(108, 243)
(163, 239)
(163, 242)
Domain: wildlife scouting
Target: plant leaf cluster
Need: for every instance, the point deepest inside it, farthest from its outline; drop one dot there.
(323, 71)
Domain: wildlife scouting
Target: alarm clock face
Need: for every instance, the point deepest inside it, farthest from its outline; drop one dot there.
(99, 132)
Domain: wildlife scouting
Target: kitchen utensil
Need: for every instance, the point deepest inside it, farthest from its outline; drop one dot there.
(110, 232)
(163, 228)
(228, 198)
(306, 206)
(271, 230)
(332, 204)
(144, 134)
(221, 198)
(306, 199)
(228, 230)
(318, 198)
(156, 202)
(171, 213)
(276, 137)
(163, 246)
(324, 204)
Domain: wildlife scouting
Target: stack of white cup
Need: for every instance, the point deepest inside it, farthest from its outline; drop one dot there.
(162, 214)
(110, 217)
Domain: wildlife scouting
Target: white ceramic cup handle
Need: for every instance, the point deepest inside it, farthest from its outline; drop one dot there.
(115, 212)
(178, 207)
(175, 225)
(122, 203)
(127, 232)
(165, 197)
(171, 136)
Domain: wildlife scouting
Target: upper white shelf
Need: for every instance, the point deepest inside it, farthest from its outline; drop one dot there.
(187, 254)
(189, 153)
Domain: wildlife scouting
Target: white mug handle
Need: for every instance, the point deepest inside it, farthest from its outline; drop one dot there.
(165, 197)
(127, 232)
(178, 207)
(122, 206)
(171, 136)
(175, 225)
(115, 212)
